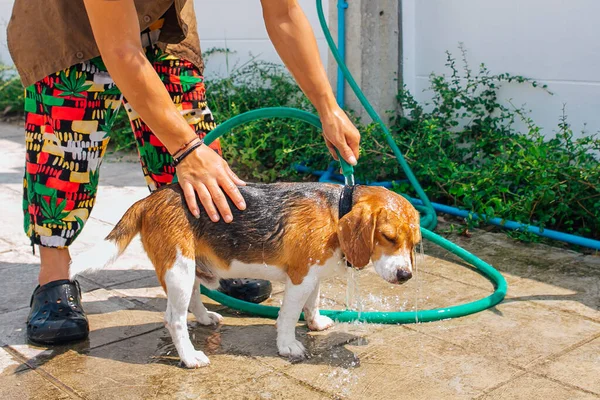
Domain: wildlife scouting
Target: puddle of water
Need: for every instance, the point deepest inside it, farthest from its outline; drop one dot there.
(344, 380)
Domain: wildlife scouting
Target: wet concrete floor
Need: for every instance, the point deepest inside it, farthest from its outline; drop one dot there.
(542, 342)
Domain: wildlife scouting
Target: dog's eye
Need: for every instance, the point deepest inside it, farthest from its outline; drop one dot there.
(389, 238)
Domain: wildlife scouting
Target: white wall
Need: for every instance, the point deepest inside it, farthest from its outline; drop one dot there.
(5, 11)
(553, 41)
(235, 24)
(238, 25)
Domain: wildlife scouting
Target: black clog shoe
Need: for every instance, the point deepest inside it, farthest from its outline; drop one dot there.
(252, 290)
(56, 315)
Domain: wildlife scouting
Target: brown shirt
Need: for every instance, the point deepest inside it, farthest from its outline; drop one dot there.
(47, 36)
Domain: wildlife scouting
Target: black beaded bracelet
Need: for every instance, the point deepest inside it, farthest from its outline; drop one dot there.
(187, 152)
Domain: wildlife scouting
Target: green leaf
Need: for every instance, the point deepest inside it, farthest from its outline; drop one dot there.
(61, 206)
(61, 87)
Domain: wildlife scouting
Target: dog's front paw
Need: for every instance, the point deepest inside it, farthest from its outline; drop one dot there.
(294, 350)
(210, 318)
(320, 323)
(195, 359)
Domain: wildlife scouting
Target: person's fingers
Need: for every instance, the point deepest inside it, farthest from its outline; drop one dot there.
(207, 201)
(233, 192)
(331, 148)
(220, 201)
(236, 179)
(190, 198)
(346, 153)
(353, 140)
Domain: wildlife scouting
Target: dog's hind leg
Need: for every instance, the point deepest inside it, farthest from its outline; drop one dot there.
(314, 320)
(293, 300)
(203, 316)
(179, 281)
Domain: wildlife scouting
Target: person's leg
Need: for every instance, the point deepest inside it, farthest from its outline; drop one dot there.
(185, 84)
(67, 119)
(54, 264)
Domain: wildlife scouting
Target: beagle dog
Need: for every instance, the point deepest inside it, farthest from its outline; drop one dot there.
(297, 233)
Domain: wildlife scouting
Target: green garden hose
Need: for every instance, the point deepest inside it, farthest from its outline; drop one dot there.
(428, 221)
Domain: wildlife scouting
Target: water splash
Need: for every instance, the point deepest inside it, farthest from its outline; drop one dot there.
(420, 260)
(343, 379)
(353, 298)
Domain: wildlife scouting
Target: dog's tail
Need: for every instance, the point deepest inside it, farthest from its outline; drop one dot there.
(105, 253)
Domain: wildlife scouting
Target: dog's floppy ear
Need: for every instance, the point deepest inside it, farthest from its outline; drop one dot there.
(356, 233)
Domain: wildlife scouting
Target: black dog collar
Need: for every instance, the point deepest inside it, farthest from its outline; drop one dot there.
(345, 206)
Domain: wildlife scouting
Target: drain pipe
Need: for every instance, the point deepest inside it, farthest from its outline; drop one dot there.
(547, 233)
(342, 5)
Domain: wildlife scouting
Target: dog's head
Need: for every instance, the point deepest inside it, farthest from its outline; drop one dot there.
(382, 227)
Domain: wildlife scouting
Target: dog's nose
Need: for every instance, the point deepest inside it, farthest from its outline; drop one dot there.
(403, 275)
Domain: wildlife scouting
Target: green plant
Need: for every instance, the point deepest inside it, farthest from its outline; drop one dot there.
(466, 151)
(264, 150)
(121, 136)
(11, 91)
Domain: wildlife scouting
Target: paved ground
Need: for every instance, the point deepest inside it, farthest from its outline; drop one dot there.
(542, 342)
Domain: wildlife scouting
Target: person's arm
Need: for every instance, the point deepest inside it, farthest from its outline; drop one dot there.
(117, 33)
(295, 43)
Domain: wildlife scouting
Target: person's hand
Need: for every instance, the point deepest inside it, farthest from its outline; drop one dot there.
(206, 173)
(340, 133)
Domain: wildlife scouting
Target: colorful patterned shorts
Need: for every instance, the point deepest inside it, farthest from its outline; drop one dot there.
(69, 116)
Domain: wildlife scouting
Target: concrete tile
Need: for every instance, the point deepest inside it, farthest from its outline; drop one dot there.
(17, 284)
(120, 169)
(530, 386)
(17, 381)
(506, 255)
(145, 290)
(8, 363)
(150, 293)
(5, 246)
(515, 332)
(579, 295)
(114, 318)
(147, 367)
(19, 254)
(132, 266)
(12, 224)
(12, 160)
(424, 291)
(111, 319)
(13, 334)
(579, 367)
(556, 278)
(459, 271)
(275, 386)
(398, 361)
(112, 202)
(93, 232)
(257, 338)
(13, 131)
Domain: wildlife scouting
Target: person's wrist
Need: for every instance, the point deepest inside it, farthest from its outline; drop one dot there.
(192, 147)
(326, 105)
(184, 146)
